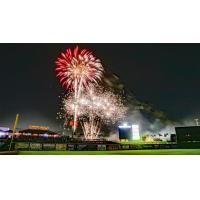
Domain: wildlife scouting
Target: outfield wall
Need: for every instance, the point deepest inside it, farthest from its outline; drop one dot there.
(25, 146)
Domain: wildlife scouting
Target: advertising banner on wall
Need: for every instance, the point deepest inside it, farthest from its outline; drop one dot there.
(21, 146)
(35, 146)
(101, 147)
(61, 147)
(49, 146)
(82, 147)
(125, 146)
(70, 147)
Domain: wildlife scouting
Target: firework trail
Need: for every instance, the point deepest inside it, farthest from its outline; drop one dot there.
(78, 69)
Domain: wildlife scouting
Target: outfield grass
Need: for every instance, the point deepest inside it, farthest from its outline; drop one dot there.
(143, 142)
(120, 152)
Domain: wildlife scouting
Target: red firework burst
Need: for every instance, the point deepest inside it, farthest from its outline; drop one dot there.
(80, 66)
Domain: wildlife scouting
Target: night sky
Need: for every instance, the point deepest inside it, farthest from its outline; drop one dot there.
(165, 75)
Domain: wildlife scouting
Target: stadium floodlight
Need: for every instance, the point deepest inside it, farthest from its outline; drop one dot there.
(3, 133)
(125, 125)
(4, 129)
(45, 135)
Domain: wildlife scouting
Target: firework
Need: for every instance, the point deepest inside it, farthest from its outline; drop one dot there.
(94, 108)
(78, 69)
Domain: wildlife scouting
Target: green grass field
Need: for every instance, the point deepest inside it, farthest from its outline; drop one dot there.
(120, 152)
(142, 142)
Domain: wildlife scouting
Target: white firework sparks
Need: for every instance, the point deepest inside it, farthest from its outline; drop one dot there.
(94, 108)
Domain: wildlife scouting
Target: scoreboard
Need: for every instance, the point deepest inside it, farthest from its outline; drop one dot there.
(129, 132)
(125, 132)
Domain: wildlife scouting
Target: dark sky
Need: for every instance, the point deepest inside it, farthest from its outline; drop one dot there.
(166, 75)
